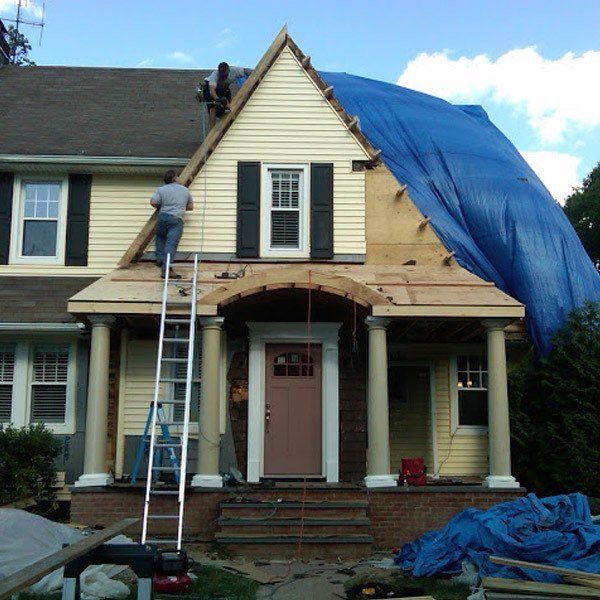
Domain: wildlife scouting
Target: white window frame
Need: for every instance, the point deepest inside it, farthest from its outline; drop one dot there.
(17, 225)
(457, 428)
(23, 380)
(266, 207)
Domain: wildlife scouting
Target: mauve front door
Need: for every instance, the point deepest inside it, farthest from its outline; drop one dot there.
(293, 410)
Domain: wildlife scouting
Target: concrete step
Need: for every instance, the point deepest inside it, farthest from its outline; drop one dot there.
(291, 526)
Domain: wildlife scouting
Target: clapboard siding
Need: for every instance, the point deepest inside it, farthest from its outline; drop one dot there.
(286, 120)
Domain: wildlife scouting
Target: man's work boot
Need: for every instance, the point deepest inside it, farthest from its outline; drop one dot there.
(172, 275)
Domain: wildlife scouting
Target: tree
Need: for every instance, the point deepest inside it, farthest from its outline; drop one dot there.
(19, 47)
(555, 410)
(583, 210)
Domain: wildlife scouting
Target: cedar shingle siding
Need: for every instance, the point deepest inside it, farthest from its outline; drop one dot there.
(38, 299)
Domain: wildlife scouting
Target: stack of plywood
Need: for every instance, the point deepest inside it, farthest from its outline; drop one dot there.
(578, 584)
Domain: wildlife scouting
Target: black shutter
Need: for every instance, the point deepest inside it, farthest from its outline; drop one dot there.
(321, 210)
(248, 209)
(6, 200)
(78, 220)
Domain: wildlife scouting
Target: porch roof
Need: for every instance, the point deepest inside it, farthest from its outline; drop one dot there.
(389, 291)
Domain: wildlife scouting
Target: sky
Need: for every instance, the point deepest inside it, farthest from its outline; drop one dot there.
(533, 65)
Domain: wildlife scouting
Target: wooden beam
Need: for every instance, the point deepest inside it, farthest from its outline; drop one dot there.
(533, 587)
(32, 573)
(522, 564)
(328, 92)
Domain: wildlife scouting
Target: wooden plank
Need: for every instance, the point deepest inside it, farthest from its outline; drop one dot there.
(32, 573)
(558, 589)
(511, 562)
(585, 581)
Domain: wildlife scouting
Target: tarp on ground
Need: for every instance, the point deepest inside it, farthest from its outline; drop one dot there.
(484, 201)
(554, 531)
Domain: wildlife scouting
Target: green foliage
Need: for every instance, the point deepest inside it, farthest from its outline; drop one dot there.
(26, 463)
(19, 46)
(555, 411)
(583, 210)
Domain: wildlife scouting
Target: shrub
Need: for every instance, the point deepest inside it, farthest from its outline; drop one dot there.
(555, 410)
(27, 463)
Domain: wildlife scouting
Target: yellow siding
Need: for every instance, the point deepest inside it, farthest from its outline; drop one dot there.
(119, 207)
(286, 120)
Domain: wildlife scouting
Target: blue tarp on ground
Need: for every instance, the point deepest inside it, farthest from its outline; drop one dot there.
(556, 531)
(485, 202)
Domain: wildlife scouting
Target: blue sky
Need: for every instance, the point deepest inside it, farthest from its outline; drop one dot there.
(533, 65)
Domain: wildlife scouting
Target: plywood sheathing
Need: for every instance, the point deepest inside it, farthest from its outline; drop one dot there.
(397, 232)
(387, 290)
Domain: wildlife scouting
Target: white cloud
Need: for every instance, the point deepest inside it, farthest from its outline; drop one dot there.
(557, 170)
(147, 62)
(28, 8)
(226, 37)
(556, 96)
(180, 56)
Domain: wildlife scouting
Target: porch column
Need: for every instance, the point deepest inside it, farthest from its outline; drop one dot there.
(96, 422)
(498, 421)
(378, 451)
(208, 415)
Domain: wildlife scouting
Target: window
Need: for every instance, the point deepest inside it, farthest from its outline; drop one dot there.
(284, 211)
(293, 364)
(39, 220)
(37, 385)
(471, 391)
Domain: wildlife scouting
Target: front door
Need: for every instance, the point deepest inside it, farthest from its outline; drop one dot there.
(292, 411)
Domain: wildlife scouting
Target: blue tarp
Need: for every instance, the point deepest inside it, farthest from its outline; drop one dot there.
(484, 201)
(555, 531)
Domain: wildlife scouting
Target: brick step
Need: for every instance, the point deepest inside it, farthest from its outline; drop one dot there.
(334, 510)
(291, 526)
(283, 546)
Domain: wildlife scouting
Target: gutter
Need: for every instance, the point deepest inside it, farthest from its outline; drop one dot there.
(77, 159)
(43, 327)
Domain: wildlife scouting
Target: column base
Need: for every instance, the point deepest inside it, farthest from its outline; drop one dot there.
(94, 480)
(501, 481)
(207, 481)
(380, 481)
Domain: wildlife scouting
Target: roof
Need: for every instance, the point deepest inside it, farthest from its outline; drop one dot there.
(100, 111)
(405, 291)
(22, 302)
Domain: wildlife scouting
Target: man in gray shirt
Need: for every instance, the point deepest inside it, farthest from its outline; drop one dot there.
(171, 200)
(216, 89)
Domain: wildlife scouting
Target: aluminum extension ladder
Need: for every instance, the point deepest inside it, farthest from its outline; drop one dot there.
(168, 343)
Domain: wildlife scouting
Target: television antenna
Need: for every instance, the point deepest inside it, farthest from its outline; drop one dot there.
(19, 20)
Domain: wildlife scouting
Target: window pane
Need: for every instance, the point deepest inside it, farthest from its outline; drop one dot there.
(472, 407)
(463, 378)
(39, 238)
(53, 210)
(48, 403)
(7, 364)
(461, 362)
(41, 210)
(5, 403)
(53, 192)
(29, 209)
(50, 364)
(285, 229)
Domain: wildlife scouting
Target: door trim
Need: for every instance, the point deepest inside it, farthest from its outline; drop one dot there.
(325, 334)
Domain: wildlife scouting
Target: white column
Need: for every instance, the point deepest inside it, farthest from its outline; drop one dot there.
(378, 451)
(498, 419)
(96, 422)
(209, 439)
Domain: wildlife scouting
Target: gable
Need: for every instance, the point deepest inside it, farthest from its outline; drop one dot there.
(288, 120)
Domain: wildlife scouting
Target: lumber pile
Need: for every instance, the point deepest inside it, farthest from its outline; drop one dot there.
(578, 584)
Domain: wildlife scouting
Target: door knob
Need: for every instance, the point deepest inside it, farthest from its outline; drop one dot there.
(267, 416)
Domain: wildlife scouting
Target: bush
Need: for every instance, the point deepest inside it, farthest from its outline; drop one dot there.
(26, 463)
(555, 411)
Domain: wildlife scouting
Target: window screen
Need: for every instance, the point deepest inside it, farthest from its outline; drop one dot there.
(41, 208)
(286, 190)
(472, 390)
(49, 384)
(7, 372)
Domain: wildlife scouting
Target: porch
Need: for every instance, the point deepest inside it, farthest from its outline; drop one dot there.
(330, 373)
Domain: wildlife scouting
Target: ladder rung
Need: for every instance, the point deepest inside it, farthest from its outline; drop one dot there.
(175, 340)
(178, 321)
(166, 468)
(164, 492)
(163, 516)
(179, 302)
(171, 402)
(174, 360)
(173, 380)
(165, 541)
(169, 445)
(169, 423)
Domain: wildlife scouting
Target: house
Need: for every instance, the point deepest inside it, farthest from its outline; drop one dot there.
(338, 333)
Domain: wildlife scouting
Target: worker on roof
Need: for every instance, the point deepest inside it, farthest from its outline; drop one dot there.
(216, 90)
(172, 200)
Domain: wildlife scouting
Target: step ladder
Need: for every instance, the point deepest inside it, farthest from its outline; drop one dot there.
(168, 355)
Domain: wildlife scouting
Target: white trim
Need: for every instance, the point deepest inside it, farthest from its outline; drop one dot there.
(93, 160)
(207, 481)
(42, 327)
(325, 334)
(501, 481)
(380, 481)
(94, 480)
(455, 427)
(265, 212)
(17, 221)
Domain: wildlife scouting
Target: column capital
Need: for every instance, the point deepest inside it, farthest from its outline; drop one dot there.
(377, 322)
(212, 322)
(106, 320)
(496, 324)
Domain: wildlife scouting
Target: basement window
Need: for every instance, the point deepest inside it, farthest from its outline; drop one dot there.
(284, 211)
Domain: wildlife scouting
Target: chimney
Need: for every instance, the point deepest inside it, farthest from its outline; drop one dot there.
(4, 47)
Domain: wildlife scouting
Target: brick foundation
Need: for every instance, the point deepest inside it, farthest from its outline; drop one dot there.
(397, 516)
